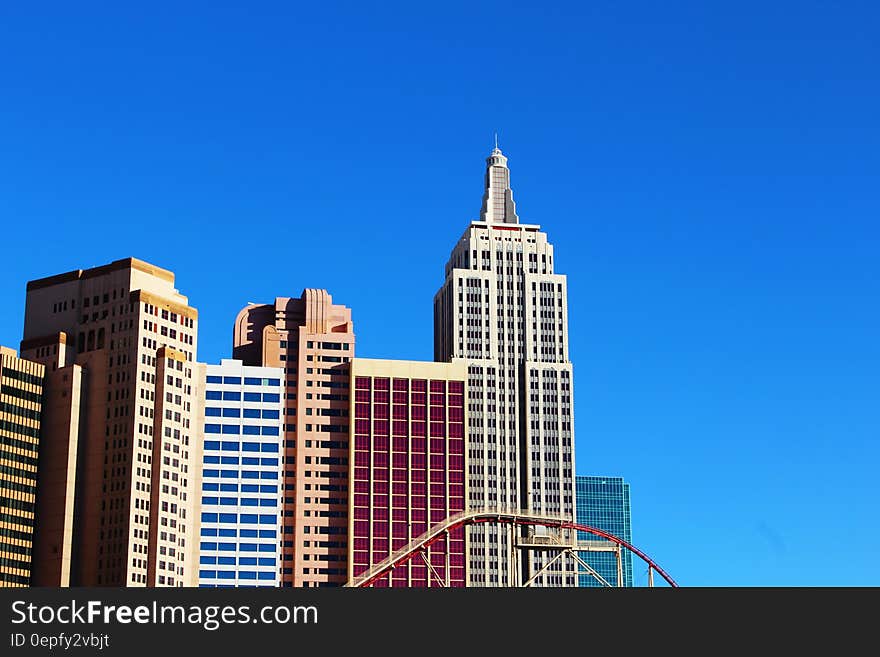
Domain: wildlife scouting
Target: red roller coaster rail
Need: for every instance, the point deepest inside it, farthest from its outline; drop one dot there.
(420, 544)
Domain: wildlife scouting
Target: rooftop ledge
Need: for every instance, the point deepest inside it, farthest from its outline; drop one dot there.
(504, 226)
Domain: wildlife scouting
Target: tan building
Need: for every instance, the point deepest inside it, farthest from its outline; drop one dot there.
(313, 340)
(21, 400)
(118, 487)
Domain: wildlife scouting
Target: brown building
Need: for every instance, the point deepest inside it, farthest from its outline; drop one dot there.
(313, 340)
(21, 399)
(117, 501)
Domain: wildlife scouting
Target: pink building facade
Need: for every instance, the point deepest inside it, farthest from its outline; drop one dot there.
(313, 340)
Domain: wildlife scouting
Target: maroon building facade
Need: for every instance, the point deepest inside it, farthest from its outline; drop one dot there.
(408, 468)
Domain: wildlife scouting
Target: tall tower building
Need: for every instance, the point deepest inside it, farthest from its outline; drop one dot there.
(313, 340)
(21, 401)
(504, 310)
(241, 495)
(117, 501)
(603, 502)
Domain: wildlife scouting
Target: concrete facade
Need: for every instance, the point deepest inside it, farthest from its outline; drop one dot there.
(118, 498)
(313, 340)
(504, 310)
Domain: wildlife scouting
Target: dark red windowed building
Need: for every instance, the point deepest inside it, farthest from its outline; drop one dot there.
(407, 469)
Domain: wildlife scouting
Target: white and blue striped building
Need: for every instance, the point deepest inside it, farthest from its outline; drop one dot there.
(241, 476)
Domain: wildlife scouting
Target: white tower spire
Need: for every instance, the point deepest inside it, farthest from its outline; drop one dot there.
(498, 205)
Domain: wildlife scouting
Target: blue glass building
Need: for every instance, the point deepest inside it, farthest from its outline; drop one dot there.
(603, 502)
(241, 476)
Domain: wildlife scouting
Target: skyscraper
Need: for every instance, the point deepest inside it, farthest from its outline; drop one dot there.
(603, 502)
(313, 340)
(241, 496)
(57, 471)
(504, 310)
(21, 401)
(118, 497)
(407, 468)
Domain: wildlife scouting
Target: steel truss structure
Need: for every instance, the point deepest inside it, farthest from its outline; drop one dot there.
(544, 533)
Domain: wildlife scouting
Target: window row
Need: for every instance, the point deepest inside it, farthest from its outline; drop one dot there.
(234, 460)
(265, 414)
(244, 474)
(228, 395)
(243, 518)
(244, 533)
(248, 430)
(231, 574)
(248, 380)
(233, 446)
(242, 561)
(245, 501)
(245, 488)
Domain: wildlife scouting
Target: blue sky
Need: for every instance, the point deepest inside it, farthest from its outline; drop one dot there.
(708, 172)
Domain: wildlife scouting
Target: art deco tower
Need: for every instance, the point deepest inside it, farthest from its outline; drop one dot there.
(312, 339)
(504, 310)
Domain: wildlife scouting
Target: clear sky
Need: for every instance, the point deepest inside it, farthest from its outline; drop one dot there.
(708, 172)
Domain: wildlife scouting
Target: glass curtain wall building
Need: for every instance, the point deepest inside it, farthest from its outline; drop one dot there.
(241, 477)
(603, 502)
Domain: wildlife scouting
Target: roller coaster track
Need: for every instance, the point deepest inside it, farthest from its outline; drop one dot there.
(523, 519)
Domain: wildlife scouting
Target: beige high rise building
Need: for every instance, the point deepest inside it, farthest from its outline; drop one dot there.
(117, 501)
(504, 309)
(21, 400)
(313, 340)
